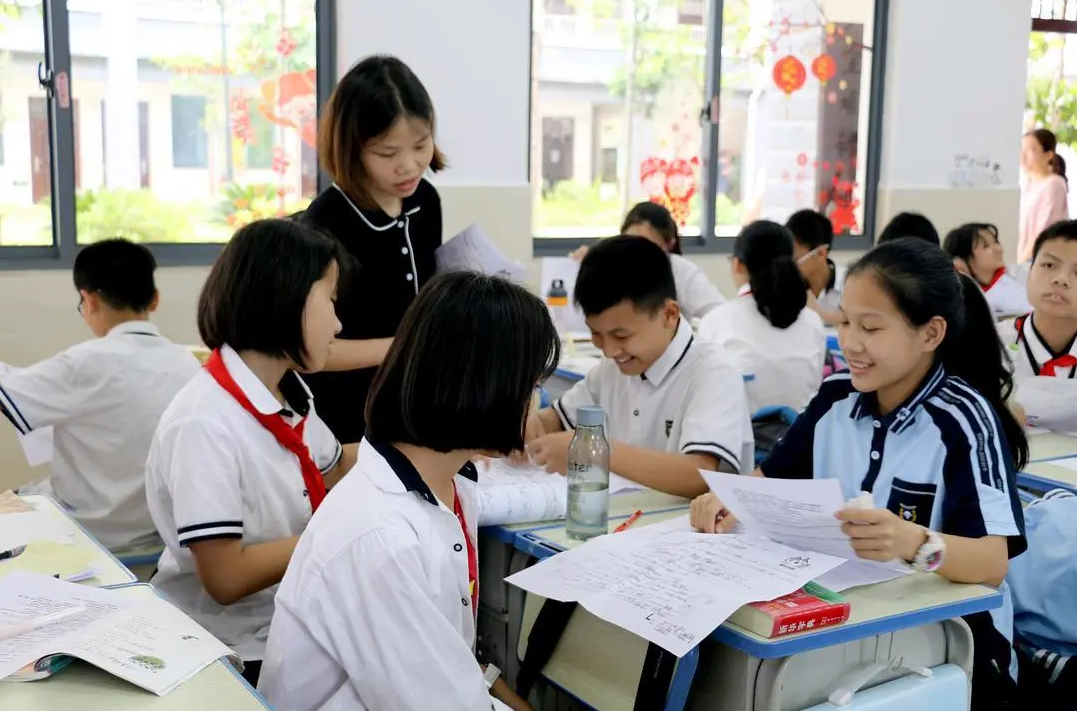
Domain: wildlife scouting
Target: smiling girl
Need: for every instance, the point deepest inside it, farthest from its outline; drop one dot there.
(923, 427)
(376, 140)
(976, 251)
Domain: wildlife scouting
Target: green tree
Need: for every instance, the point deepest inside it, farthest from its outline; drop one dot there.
(1050, 98)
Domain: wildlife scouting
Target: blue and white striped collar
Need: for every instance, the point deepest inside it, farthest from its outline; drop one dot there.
(900, 418)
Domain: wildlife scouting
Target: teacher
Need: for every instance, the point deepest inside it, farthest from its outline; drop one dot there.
(376, 141)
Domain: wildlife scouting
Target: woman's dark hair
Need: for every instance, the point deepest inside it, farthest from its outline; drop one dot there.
(766, 250)
(658, 217)
(255, 294)
(367, 101)
(909, 224)
(961, 241)
(922, 282)
(463, 366)
(1049, 143)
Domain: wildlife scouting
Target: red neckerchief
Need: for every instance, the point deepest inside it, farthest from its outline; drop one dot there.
(994, 280)
(1048, 369)
(472, 555)
(291, 438)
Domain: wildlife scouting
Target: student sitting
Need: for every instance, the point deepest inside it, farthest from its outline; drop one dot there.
(1043, 344)
(378, 607)
(103, 397)
(976, 251)
(695, 292)
(674, 404)
(924, 428)
(240, 460)
(813, 233)
(766, 330)
(909, 224)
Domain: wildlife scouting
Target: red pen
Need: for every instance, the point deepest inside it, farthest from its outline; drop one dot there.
(628, 521)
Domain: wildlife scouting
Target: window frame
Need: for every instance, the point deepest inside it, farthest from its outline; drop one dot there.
(56, 71)
(706, 242)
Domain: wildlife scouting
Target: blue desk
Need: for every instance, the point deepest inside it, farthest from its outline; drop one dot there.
(1043, 476)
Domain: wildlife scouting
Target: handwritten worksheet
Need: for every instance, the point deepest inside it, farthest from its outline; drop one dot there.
(672, 587)
(508, 494)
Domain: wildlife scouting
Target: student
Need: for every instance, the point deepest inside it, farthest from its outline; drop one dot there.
(976, 251)
(378, 608)
(103, 397)
(695, 292)
(924, 428)
(909, 224)
(240, 459)
(1043, 343)
(673, 403)
(376, 140)
(1044, 193)
(813, 233)
(766, 330)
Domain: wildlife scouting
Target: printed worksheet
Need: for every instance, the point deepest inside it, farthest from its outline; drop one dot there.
(472, 250)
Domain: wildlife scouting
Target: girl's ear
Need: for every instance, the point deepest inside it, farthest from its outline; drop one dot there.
(934, 333)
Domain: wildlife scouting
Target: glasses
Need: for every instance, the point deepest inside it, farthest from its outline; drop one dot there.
(808, 255)
(81, 300)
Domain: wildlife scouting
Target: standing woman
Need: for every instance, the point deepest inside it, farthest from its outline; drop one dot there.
(1043, 197)
(376, 141)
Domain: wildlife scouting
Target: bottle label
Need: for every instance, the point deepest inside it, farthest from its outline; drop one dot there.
(589, 507)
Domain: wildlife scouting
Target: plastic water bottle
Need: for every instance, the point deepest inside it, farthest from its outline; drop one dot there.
(588, 477)
(557, 302)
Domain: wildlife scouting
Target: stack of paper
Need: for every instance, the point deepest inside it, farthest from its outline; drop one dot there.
(471, 250)
(510, 493)
(149, 643)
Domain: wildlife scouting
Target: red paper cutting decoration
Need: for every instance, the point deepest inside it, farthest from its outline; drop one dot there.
(680, 186)
(802, 159)
(241, 119)
(789, 74)
(824, 68)
(286, 44)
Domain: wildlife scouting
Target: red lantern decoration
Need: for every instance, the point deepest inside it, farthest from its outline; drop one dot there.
(824, 68)
(789, 74)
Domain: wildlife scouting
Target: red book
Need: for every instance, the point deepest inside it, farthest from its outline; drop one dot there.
(810, 608)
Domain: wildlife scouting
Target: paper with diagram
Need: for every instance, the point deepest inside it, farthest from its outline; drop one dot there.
(672, 587)
(471, 250)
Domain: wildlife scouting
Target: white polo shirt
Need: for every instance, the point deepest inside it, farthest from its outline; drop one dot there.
(787, 363)
(695, 292)
(1007, 295)
(830, 297)
(1049, 401)
(103, 399)
(691, 400)
(215, 472)
(375, 610)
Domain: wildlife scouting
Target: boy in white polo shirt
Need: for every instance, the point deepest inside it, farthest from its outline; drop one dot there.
(103, 397)
(674, 404)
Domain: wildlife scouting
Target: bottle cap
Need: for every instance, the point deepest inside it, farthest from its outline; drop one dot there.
(591, 416)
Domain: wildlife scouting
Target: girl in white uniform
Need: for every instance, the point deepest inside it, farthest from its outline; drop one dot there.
(377, 609)
(976, 251)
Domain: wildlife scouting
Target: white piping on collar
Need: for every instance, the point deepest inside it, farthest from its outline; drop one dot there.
(393, 222)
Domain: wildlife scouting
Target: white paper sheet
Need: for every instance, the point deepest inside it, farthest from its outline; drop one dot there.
(799, 513)
(472, 250)
(619, 484)
(672, 587)
(519, 494)
(19, 529)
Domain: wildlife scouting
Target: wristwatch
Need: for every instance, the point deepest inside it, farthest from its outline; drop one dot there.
(929, 556)
(491, 674)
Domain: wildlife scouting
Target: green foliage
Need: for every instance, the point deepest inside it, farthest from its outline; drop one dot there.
(1050, 98)
(137, 215)
(243, 204)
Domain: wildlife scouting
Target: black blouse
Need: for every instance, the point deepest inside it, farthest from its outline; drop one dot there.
(395, 258)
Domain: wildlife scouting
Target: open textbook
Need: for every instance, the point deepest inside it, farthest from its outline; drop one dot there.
(471, 250)
(800, 513)
(148, 643)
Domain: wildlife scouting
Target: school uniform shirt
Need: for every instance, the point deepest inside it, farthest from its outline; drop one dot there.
(395, 257)
(689, 401)
(1006, 294)
(103, 399)
(1044, 579)
(830, 297)
(787, 363)
(377, 609)
(215, 472)
(940, 460)
(1046, 382)
(695, 292)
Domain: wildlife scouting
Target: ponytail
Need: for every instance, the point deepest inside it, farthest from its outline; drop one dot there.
(766, 250)
(1049, 144)
(1058, 165)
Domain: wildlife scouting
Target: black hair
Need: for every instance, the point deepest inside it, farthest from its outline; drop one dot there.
(910, 224)
(923, 284)
(811, 228)
(624, 268)
(766, 250)
(1049, 144)
(961, 241)
(658, 217)
(366, 102)
(463, 366)
(1066, 229)
(119, 271)
(255, 294)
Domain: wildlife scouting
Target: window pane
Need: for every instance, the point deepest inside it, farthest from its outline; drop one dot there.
(197, 116)
(25, 217)
(796, 79)
(597, 63)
